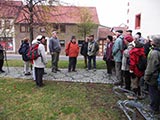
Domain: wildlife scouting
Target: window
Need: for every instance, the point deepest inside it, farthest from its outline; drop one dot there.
(62, 43)
(80, 42)
(138, 21)
(24, 28)
(59, 27)
(7, 24)
(7, 43)
(62, 28)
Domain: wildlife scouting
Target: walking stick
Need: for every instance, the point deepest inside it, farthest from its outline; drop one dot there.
(5, 57)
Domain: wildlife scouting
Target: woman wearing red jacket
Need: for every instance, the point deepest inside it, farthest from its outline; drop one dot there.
(136, 74)
(72, 50)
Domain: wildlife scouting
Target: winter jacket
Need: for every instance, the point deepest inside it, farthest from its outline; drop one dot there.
(24, 50)
(54, 45)
(72, 49)
(117, 49)
(153, 67)
(135, 53)
(41, 61)
(1, 52)
(109, 51)
(93, 48)
(84, 49)
(125, 58)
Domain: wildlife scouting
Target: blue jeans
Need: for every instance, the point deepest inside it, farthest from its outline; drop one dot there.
(90, 58)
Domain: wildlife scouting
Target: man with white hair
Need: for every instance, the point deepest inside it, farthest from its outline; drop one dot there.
(55, 49)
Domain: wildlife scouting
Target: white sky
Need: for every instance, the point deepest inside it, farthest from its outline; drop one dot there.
(110, 12)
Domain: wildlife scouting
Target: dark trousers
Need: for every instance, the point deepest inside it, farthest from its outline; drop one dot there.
(39, 76)
(90, 58)
(110, 66)
(1, 64)
(72, 63)
(55, 59)
(127, 79)
(154, 98)
(85, 61)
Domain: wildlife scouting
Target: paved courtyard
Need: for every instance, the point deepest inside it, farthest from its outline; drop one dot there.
(82, 75)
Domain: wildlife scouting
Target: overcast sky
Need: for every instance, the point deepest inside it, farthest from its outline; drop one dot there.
(110, 12)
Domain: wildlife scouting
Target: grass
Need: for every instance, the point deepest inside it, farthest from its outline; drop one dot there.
(62, 64)
(21, 99)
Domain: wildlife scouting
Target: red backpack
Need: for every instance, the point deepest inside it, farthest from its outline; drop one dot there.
(33, 52)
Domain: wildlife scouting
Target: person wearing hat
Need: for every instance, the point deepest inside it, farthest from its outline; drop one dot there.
(55, 49)
(40, 63)
(125, 62)
(23, 50)
(152, 74)
(93, 48)
(138, 37)
(117, 53)
(129, 32)
(72, 50)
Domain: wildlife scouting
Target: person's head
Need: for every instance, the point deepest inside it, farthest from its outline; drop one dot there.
(43, 40)
(138, 35)
(119, 32)
(109, 38)
(128, 39)
(26, 40)
(91, 37)
(129, 32)
(73, 39)
(54, 33)
(155, 40)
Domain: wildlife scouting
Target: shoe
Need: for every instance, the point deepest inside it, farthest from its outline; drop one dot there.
(69, 70)
(74, 70)
(58, 70)
(27, 73)
(44, 73)
(54, 71)
(2, 71)
(94, 69)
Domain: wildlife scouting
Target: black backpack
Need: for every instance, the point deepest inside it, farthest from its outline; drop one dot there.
(142, 63)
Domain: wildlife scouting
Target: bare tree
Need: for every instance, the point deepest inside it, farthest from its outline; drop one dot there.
(86, 24)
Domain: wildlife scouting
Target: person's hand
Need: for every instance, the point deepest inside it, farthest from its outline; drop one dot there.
(52, 53)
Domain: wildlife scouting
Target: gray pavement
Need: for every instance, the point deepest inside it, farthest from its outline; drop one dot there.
(82, 75)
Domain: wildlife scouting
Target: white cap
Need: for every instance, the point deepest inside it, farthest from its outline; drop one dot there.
(39, 37)
(34, 41)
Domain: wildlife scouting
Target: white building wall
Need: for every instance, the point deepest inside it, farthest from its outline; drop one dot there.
(150, 16)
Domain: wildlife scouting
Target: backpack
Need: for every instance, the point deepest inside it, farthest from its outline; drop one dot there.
(142, 63)
(23, 49)
(33, 52)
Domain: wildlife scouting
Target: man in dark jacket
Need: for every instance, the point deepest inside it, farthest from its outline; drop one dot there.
(1, 58)
(152, 72)
(84, 50)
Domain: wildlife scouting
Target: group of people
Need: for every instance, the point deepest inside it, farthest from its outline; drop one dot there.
(135, 60)
(122, 55)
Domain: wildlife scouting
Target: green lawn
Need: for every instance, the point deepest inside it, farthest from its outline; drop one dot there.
(22, 100)
(62, 64)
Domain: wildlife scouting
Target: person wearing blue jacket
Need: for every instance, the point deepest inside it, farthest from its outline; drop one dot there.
(117, 53)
